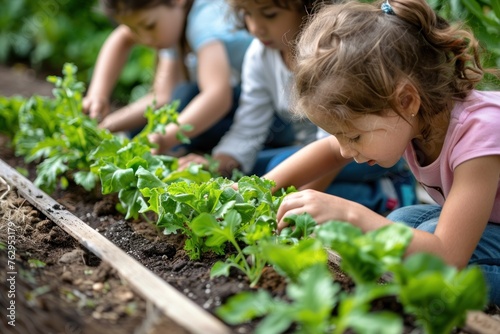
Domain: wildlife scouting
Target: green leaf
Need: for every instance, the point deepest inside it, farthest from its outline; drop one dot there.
(220, 269)
(129, 198)
(355, 311)
(278, 321)
(428, 284)
(304, 225)
(245, 306)
(147, 180)
(366, 257)
(206, 225)
(495, 4)
(291, 261)
(86, 179)
(48, 172)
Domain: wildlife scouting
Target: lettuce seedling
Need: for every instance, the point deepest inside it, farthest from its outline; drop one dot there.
(126, 166)
(365, 257)
(57, 132)
(291, 260)
(299, 226)
(181, 201)
(246, 218)
(9, 114)
(354, 311)
(313, 298)
(437, 294)
(158, 118)
(217, 233)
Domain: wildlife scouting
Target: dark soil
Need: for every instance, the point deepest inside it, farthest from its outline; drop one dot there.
(59, 286)
(63, 288)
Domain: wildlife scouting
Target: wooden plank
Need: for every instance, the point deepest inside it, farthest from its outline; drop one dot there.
(166, 298)
(481, 323)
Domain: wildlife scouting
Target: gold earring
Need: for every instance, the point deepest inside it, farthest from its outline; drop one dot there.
(412, 115)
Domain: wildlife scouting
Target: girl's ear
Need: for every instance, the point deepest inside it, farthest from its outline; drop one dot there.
(409, 99)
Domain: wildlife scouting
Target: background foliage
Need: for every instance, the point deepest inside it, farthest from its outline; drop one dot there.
(46, 34)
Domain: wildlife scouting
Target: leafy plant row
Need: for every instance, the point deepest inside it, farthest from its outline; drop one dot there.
(236, 218)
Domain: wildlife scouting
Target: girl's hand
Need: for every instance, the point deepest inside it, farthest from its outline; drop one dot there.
(192, 158)
(321, 206)
(96, 107)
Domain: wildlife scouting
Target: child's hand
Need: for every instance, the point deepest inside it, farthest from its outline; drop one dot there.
(162, 141)
(108, 123)
(191, 158)
(226, 164)
(96, 107)
(321, 206)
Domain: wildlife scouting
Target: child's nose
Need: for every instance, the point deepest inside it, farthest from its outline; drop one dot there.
(347, 152)
(146, 39)
(255, 28)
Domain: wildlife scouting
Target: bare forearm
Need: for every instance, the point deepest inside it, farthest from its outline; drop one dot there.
(215, 97)
(313, 165)
(130, 116)
(112, 57)
(322, 182)
(210, 105)
(205, 110)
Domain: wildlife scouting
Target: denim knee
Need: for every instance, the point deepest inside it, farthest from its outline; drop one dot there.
(422, 216)
(492, 276)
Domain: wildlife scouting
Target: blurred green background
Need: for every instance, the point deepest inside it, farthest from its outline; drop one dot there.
(43, 35)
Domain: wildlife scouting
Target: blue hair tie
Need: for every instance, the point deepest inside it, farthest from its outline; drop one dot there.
(387, 8)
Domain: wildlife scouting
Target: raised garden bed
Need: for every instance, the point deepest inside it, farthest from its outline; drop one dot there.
(70, 277)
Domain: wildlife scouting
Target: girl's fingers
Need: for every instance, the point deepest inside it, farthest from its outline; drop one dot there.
(291, 204)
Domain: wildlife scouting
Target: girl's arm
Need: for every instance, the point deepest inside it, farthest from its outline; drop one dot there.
(111, 59)
(465, 213)
(312, 165)
(461, 223)
(322, 183)
(167, 75)
(213, 101)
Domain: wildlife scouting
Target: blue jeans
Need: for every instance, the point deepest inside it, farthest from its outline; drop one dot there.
(486, 255)
(279, 140)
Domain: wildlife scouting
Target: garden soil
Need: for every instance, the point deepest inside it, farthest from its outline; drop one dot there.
(63, 288)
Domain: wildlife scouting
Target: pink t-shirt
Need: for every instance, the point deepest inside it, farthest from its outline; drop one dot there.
(474, 132)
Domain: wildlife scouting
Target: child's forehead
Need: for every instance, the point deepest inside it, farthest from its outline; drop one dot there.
(132, 18)
(142, 16)
(357, 124)
(263, 3)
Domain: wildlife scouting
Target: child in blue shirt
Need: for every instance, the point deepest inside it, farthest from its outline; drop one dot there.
(200, 53)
